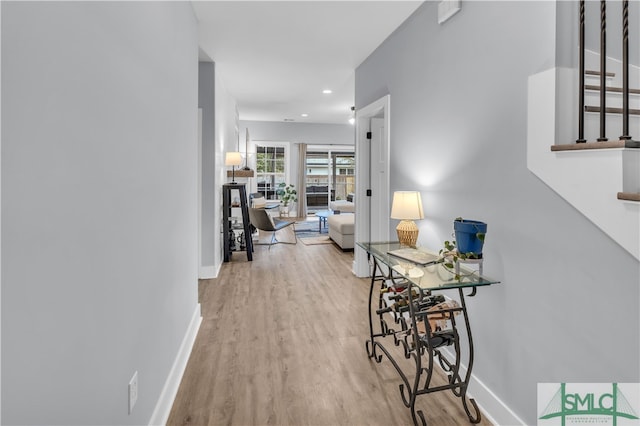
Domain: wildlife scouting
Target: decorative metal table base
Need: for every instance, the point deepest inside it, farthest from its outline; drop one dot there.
(421, 347)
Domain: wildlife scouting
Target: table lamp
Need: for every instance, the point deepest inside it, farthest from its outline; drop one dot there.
(407, 206)
(233, 159)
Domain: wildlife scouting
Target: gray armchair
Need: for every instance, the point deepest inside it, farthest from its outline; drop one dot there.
(263, 221)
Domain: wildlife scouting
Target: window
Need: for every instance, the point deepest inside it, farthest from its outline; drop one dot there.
(271, 168)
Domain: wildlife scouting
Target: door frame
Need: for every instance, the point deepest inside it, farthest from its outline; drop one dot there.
(379, 108)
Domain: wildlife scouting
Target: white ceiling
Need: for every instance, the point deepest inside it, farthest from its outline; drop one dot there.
(276, 57)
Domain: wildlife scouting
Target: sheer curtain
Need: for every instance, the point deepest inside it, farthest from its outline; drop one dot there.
(302, 180)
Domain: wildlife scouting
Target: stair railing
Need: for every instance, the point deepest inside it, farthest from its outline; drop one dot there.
(603, 72)
(625, 71)
(581, 138)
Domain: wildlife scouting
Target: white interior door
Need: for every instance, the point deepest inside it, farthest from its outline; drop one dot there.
(379, 170)
(372, 179)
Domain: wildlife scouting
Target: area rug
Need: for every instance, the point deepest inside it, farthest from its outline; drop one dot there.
(308, 228)
(312, 241)
(307, 225)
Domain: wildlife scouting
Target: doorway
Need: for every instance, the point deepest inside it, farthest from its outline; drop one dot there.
(372, 179)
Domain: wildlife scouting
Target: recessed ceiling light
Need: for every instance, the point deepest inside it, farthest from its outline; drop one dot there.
(304, 115)
(327, 91)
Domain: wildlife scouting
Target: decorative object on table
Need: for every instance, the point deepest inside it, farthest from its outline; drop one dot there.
(416, 256)
(470, 235)
(408, 269)
(233, 159)
(232, 240)
(467, 246)
(241, 240)
(288, 194)
(407, 206)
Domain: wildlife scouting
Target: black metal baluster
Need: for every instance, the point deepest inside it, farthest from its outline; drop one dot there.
(625, 71)
(581, 138)
(603, 69)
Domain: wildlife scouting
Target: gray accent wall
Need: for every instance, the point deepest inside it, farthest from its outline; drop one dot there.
(568, 36)
(99, 198)
(613, 27)
(567, 307)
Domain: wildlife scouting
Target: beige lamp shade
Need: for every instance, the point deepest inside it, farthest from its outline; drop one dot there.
(407, 206)
(233, 159)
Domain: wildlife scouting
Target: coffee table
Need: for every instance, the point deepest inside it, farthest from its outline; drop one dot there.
(322, 218)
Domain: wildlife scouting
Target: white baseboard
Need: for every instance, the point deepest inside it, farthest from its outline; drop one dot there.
(207, 272)
(492, 407)
(165, 402)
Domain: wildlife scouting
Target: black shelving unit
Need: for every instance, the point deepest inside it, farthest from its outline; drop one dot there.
(226, 219)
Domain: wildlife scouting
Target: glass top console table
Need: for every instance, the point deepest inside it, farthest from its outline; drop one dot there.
(410, 309)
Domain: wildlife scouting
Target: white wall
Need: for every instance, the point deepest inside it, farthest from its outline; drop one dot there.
(99, 220)
(210, 258)
(226, 140)
(566, 310)
(220, 135)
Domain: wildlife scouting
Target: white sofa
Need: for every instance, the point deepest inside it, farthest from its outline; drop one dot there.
(343, 206)
(342, 229)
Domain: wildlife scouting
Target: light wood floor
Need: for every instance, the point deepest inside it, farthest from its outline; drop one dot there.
(282, 343)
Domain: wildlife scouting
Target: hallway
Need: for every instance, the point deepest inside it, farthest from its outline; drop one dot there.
(282, 343)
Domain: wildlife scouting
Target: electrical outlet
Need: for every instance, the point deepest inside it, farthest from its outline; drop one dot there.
(133, 391)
